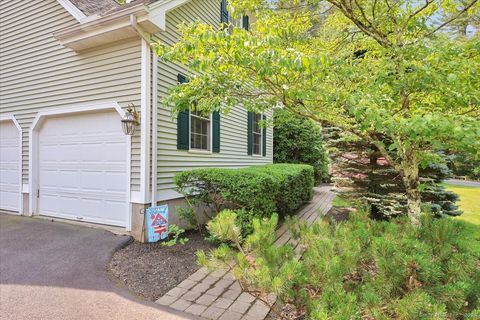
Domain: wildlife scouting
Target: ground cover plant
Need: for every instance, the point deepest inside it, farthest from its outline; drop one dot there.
(358, 269)
(256, 191)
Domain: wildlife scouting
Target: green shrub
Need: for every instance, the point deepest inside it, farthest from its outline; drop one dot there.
(357, 269)
(256, 191)
(299, 140)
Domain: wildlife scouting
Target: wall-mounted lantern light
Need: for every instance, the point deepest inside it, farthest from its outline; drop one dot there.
(130, 120)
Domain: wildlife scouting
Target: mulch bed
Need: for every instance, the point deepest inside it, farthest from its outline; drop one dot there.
(150, 270)
(339, 214)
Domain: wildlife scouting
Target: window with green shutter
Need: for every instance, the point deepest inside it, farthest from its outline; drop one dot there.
(256, 134)
(196, 131)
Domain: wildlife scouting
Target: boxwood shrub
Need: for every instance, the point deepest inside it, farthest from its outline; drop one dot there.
(256, 191)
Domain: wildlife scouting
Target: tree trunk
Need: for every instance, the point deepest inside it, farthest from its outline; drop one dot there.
(411, 181)
(413, 206)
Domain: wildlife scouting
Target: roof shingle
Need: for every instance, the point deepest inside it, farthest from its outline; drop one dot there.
(89, 7)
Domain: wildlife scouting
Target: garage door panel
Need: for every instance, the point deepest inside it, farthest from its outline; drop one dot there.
(9, 166)
(84, 170)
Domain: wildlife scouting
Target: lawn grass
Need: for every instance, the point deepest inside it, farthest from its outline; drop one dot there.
(470, 205)
(340, 202)
(469, 202)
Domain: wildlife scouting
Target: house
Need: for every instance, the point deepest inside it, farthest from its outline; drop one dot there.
(69, 71)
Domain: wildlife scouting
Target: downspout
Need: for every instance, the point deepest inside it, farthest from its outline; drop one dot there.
(154, 99)
(154, 93)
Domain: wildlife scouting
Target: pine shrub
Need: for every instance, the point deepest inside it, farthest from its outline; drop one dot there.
(357, 269)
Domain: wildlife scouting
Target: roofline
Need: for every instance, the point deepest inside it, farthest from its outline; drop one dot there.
(138, 20)
(73, 10)
(104, 21)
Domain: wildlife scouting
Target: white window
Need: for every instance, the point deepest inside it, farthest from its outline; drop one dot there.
(257, 134)
(200, 133)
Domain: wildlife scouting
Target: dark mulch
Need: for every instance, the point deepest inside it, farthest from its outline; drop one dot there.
(151, 270)
(339, 214)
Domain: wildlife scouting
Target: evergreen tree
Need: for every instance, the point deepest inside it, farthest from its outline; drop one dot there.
(361, 173)
(299, 140)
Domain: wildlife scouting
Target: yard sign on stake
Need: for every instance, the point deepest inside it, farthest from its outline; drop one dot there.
(157, 223)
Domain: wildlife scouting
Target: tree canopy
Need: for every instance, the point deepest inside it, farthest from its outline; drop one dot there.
(381, 70)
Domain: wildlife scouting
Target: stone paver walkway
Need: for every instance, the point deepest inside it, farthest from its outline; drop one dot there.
(216, 295)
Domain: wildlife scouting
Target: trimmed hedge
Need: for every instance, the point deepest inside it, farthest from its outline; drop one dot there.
(295, 184)
(256, 191)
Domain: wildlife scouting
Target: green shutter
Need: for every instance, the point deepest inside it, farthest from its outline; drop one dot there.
(245, 23)
(183, 128)
(216, 131)
(264, 136)
(224, 12)
(250, 133)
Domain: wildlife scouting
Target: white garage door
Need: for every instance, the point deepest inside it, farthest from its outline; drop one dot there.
(9, 166)
(83, 168)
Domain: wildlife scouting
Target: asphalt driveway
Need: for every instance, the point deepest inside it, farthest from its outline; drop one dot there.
(52, 270)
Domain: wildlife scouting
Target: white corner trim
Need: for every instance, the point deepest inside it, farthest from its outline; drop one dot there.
(33, 148)
(20, 147)
(137, 197)
(73, 10)
(145, 122)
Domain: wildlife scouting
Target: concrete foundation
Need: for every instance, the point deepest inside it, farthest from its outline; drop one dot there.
(139, 231)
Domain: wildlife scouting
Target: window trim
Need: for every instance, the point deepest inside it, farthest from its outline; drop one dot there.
(260, 154)
(210, 133)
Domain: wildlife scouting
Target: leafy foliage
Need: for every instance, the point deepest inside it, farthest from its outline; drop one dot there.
(256, 191)
(174, 236)
(299, 140)
(381, 70)
(358, 269)
(466, 165)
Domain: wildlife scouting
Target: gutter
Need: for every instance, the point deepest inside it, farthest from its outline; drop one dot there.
(128, 23)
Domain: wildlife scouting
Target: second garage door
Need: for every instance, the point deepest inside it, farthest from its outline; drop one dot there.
(82, 166)
(9, 166)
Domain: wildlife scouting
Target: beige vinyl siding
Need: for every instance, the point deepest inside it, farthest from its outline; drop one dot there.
(38, 73)
(233, 127)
